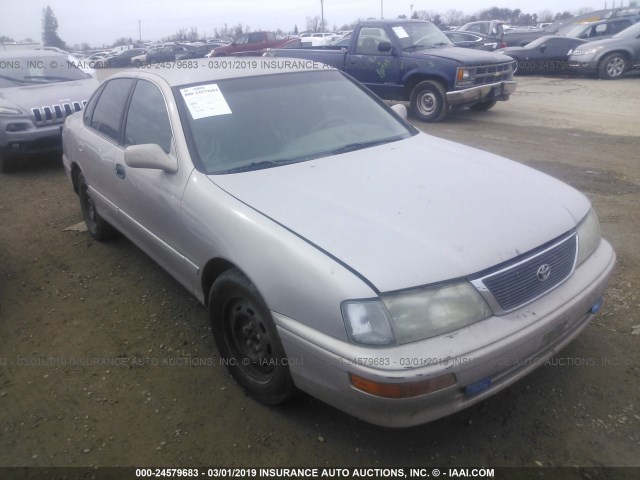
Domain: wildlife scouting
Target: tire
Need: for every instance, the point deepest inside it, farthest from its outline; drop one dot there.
(429, 102)
(97, 226)
(137, 64)
(612, 66)
(483, 106)
(247, 339)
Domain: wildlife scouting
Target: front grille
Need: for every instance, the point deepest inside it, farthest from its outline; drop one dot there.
(52, 114)
(485, 74)
(524, 280)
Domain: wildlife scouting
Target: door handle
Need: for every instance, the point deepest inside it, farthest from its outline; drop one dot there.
(120, 170)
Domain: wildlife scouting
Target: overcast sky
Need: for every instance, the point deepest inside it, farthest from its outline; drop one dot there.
(102, 22)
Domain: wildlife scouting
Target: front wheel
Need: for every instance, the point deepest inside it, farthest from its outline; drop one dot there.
(429, 102)
(247, 339)
(483, 106)
(612, 66)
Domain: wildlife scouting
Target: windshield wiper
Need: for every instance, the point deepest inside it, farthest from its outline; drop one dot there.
(417, 46)
(352, 147)
(19, 81)
(49, 77)
(253, 166)
(441, 44)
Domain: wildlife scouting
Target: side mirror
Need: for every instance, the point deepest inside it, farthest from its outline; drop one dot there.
(543, 47)
(150, 155)
(384, 47)
(400, 110)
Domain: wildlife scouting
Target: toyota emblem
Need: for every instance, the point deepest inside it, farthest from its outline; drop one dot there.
(543, 272)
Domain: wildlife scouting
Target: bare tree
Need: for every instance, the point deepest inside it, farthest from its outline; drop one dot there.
(314, 24)
(545, 16)
(454, 17)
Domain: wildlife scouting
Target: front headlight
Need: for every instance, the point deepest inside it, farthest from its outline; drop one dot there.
(588, 236)
(414, 315)
(586, 50)
(463, 77)
(9, 111)
(367, 323)
(432, 311)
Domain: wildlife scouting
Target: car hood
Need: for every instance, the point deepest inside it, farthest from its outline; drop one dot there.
(48, 94)
(466, 56)
(413, 212)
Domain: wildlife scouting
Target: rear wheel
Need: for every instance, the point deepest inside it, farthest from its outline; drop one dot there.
(97, 226)
(247, 339)
(429, 102)
(612, 66)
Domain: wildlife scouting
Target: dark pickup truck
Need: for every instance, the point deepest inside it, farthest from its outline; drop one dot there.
(414, 61)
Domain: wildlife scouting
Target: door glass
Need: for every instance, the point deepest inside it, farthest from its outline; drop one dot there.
(147, 120)
(108, 112)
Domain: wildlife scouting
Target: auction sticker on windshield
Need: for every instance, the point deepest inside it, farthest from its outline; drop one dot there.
(400, 32)
(205, 101)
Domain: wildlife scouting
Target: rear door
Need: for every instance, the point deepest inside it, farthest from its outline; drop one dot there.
(99, 146)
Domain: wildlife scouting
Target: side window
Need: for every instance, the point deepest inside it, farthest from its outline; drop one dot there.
(255, 37)
(88, 110)
(271, 36)
(369, 39)
(242, 39)
(616, 27)
(147, 120)
(107, 114)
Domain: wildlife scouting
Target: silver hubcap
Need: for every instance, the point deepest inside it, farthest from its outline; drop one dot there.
(615, 67)
(427, 103)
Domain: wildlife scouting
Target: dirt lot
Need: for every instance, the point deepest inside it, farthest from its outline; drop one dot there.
(70, 305)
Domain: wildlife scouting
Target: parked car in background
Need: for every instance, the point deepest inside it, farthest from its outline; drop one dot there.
(493, 29)
(166, 53)
(610, 58)
(599, 29)
(123, 59)
(38, 90)
(473, 40)
(548, 54)
(198, 52)
(386, 308)
(414, 61)
(249, 43)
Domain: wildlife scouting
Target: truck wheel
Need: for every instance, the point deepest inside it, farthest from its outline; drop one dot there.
(429, 102)
(483, 106)
(612, 66)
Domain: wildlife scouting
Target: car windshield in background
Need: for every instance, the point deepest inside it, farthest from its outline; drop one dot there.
(250, 123)
(573, 31)
(419, 35)
(629, 32)
(20, 71)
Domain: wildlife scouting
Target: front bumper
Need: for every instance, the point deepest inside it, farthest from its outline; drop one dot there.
(585, 64)
(495, 352)
(32, 141)
(482, 93)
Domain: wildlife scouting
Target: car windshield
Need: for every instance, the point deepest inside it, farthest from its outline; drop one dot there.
(20, 71)
(420, 35)
(250, 123)
(573, 31)
(629, 32)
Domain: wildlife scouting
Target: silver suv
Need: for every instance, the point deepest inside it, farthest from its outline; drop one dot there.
(38, 90)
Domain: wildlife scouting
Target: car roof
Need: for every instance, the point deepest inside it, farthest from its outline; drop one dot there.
(223, 69)
(28, 53)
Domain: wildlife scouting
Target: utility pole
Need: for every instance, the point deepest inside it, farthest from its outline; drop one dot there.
(381, 14)
(322, 15)
(139, 31)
